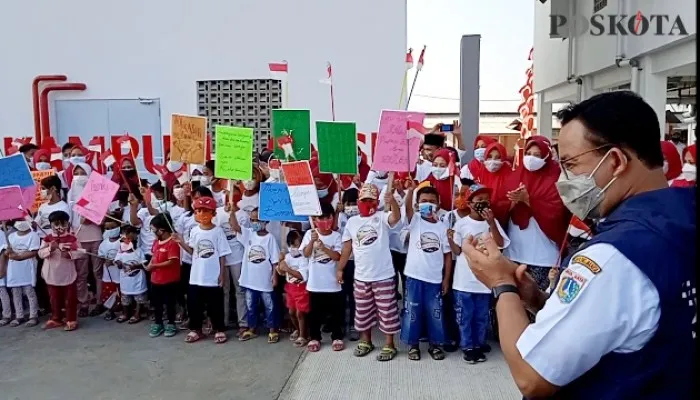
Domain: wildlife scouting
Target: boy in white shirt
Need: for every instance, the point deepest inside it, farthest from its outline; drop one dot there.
(471, 297)
(428, 274)
(209, 248)
(22, 250)
(367, 237)
(50, 191)
(110, 276)
(258, 275)
(296, 269)
(322, 247)
(132, 277)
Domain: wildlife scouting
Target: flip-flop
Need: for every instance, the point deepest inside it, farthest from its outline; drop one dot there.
(220, 338)
(313, 346)
(338, 345)
(192, 337)
(247, 335)
(134, 320)
(273, 337)
(32, 322)
(17, 322)
(387, 354)
(301, 342)
(71, 326)
(50, 324)
(414, 354)
(122, 318)
(294, 336)
(363, 348)
(4, 321)
(436, 353)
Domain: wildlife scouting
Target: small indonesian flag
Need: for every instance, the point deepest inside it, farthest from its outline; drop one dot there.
(409, 59)
(329, 79)
(124, 142)
(56, 154)
(181, 177)
(161, 171)
(415, 130)
(12, 150)
(95, 145)
(419, 66)
(107, 158)
(278, 67)
(82, 202)
(19, 142)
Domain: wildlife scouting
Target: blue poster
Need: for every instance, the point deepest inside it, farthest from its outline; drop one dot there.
(14, 171)
(275, 204)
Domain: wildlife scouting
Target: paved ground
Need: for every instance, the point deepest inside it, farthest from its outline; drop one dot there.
(106, 361)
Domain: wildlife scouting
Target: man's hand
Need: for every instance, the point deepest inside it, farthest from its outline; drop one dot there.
(488, 264)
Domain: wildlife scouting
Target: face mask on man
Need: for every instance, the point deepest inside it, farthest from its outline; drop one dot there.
(294, 251)
(324, 224)
(689, 172)
(45, 194)
(480, 154)
(126, 246)
(367, 208)
(580, 193)
(275, 174)
(179, 194)
(532, 163)
(43, 166)
(493, 165)
(257, 226)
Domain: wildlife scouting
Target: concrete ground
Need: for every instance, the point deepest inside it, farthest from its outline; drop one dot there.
(107, 361)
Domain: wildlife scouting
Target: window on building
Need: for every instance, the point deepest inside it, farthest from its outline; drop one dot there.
(599, 5)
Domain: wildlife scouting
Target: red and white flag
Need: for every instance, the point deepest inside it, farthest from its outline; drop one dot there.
(415, 130)
(95, 145)
(328, 80)
(409, 59)
(124, 142)
(56, 154)
(279, 69)
(419, 66)
(107, 158)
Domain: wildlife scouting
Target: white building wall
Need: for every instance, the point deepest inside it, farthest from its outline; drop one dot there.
(159, 48)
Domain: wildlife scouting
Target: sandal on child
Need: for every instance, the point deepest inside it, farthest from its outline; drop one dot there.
(193, 336)
(122, 318)
(414, 353)
(273, 337)
(241, 331)
(294, 336)
(301, 342)
(220, 338)
(109, 316)
(32, 322)
(17, 322)
(436, 353)
(338, 345)
(99, 309)
(4, 321)
(71, 326)
(170, 330)
(363, 348)
(134, 320)
(50, 324)
(247, 335)
(313, 346)
(387, 354)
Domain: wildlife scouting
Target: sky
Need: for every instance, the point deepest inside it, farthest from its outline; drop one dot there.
(506, 29)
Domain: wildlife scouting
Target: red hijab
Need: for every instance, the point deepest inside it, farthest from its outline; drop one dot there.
(693, 152)
(444, 187)
(68, 173)
(475, 166)
(326, 179)
(496, 182)
(673, 159)
(545, 203)
(41, 153)
(362, 170)
(130, 183)
(680, 182)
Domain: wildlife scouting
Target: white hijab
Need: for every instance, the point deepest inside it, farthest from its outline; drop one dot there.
(76, 189)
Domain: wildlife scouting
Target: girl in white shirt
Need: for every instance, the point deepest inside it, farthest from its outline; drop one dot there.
(132, 277)
(21, 271)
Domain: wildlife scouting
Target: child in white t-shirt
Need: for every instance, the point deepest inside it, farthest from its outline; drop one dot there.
(322, 247)
(22, 250)
(471, 297)
(428, 273)
(209, 248)
(346, 210)
(296, 269)
(367, 237)
(108, 250)
(132, 277)
(51, 192)
(258, 275)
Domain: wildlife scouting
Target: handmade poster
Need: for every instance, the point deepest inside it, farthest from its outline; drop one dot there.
(276, 205)
(11, 203)
(188, 139)
(38, 176)
(15, 171)
(96, 198)
(291, 131)
(234, 152)
(394, 150)
(302, 190)
(337, 147)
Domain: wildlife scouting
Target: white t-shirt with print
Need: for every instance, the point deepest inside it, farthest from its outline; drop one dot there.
(109, 249)
(322, 277)
(261, 253)
(464, 279)
(22, 273)
(299, 264)
(184, 227)
(132, 285)
(146, 236)
(427, 246)
(42, 216)
(370, 246)
(221, 219)
(208, 246)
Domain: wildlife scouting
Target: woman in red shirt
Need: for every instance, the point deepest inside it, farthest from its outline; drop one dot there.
(165, 275)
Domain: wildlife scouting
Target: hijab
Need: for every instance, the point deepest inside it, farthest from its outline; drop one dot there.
(444, 187)
(475, 166)
(130, 183)
(673, 160)
(496, 182)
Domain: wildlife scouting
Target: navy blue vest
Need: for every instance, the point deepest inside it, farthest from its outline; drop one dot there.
(656, 231)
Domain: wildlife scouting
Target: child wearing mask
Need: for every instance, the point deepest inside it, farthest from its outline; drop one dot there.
(51, 192)
(216, 185)
(251, 194)
(346, 210)
(258, 275)
(428, 274)
(155, 203)
(110, 277)
(322, 247)
(165, 275)
(296, 268)
(132, 278)
(367, 237)
(21, 250)
(208, 246)
(471, 297)
(59, 250)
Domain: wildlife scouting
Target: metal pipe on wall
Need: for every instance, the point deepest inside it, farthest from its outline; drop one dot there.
(44, 103)
(35, 102)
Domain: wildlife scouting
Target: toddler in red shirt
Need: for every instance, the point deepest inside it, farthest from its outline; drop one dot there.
(165, 275)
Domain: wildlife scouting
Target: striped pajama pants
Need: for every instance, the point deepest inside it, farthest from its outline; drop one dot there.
(376, 302)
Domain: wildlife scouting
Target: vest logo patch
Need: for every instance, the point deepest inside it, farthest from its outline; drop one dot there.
(588, 263)
(570, 285)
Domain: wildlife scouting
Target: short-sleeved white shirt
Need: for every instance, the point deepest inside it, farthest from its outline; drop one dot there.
(591, 314)
(109, 250)
(261, 254)
(221, 219)
(146, 236)
(370, 246)
(322, 276)
(184, 227)
(299, 264)
(208, 246)
(463, 277)
(22, 273)
(427, 246)
(42, 215)
(136, 284)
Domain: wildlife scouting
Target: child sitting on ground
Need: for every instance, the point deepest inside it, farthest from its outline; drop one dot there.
(295, 267)
(132, 278)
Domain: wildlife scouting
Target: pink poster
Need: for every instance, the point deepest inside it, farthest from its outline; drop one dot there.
(11, 203)
(395, 151)
(96, 198)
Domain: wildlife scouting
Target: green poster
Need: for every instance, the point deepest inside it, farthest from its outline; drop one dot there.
(234, 152)
(337, 147)
(291, 130)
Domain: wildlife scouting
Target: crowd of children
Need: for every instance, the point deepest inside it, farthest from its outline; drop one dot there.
(197, 256)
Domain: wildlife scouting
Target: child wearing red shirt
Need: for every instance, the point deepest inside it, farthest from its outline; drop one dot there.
(165, 275)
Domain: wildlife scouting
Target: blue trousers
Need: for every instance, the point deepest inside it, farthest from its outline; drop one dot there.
(472, 315)
(252, 299)
(422, 313)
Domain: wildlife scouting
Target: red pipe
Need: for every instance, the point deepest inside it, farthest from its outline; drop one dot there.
(35, 102)
(44, 103)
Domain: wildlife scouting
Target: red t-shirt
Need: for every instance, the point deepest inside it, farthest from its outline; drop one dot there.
(162, 252)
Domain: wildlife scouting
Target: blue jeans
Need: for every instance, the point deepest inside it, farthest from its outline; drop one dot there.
(252, 299)
(422, 313)
(472, 314)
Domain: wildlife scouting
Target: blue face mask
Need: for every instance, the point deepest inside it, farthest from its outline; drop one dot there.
(427, 210)
(257, 226)
(480, 154)
(359, 160)
(77, 159)
(322, 193)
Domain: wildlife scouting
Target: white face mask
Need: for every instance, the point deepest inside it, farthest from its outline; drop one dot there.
(439, 173)
(479, 154)
(155, 203)
(44, 194)
(322, 192)
(665, 167)
(110, 234)
(381, 175)
(77, 159)
(493, 165)
(532, 163)
(351, 211)
(294, 251)
(205, 180)
(275, 174)
(124, 247)
(689, 172)
(249, 185)
(173, 166)
(43, 166)
(23, 226)
(179, 194)
(79, 180)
